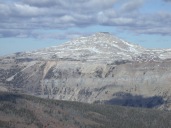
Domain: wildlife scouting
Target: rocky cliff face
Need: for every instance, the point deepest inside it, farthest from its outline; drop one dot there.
(95, 69)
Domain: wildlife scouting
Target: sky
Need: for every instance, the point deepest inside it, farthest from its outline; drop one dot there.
(27, 25)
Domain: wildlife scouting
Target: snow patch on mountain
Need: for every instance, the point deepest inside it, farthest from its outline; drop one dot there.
(100, 47)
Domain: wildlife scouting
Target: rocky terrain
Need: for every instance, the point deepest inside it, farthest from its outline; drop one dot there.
(96, 69)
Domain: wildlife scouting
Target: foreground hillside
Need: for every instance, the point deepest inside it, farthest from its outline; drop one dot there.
(21, 111)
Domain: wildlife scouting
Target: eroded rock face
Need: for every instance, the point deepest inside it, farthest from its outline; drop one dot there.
(139, 77)
(92, 82)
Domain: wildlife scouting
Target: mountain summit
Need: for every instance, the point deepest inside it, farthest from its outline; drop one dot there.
(102, 47)
(99, 47)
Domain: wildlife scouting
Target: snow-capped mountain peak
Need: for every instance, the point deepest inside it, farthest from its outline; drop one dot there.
(99, 47)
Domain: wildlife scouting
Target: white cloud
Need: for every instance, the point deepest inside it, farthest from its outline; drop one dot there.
(20, 18)
(132, 5)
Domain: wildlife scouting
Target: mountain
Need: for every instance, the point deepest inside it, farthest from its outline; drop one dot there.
(96, 69)
(23, 111)
(100, 47)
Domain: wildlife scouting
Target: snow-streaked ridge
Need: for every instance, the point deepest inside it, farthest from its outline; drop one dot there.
(100, 47)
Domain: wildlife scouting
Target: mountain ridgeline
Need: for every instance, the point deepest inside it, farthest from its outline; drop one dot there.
(96, 69)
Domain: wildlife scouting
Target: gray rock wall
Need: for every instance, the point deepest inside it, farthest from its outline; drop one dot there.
(92, 82)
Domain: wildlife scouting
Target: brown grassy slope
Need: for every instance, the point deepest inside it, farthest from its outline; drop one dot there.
(19, 111)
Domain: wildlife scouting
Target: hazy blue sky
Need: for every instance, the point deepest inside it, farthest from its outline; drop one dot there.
(33, 24)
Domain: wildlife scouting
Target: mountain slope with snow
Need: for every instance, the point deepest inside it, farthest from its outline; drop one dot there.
(96, 69)
(100, 47)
